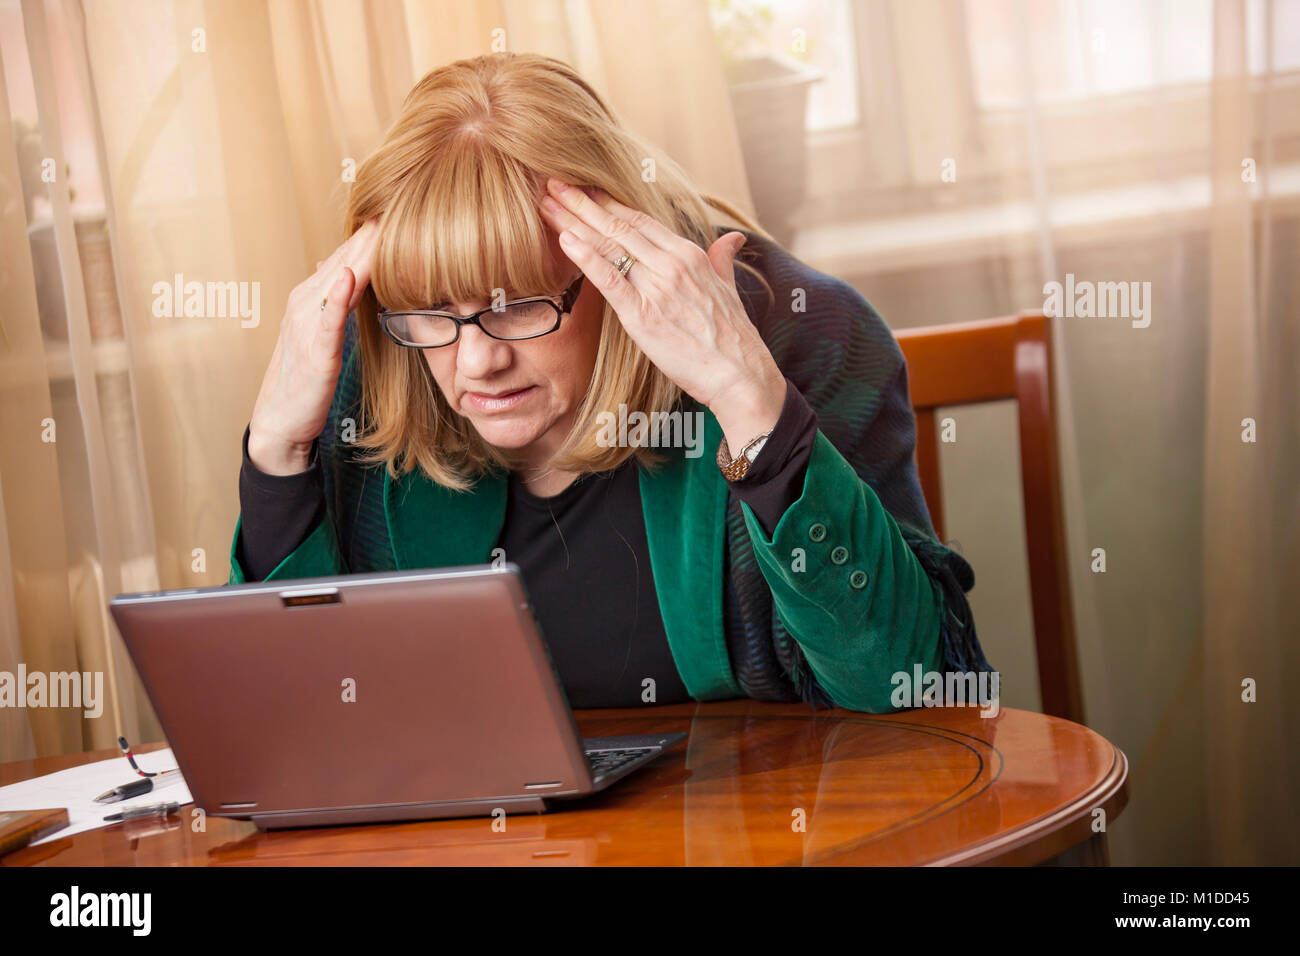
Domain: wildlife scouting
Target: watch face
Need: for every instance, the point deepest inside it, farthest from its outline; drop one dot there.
(752, 452)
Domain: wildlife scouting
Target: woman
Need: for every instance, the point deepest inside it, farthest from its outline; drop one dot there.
(506, 320)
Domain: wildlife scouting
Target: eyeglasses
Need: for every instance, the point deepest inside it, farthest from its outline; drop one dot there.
(527, 318)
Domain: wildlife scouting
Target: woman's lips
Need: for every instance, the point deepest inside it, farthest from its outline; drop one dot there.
(500, 402)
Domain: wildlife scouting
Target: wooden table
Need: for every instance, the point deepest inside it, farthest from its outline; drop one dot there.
(756, 784)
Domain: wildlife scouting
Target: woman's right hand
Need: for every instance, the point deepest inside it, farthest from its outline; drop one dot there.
(299, 384)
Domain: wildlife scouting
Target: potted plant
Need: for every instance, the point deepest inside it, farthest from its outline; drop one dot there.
(769, 96)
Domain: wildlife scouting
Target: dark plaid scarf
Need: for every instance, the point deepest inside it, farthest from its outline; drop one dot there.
(833, 345)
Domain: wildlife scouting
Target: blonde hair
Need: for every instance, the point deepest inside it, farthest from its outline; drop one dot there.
(455, 185)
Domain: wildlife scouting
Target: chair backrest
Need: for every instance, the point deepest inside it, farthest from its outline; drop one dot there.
(990, 360)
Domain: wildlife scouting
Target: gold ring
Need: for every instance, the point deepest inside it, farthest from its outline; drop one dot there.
(324, 302)
(624, 264)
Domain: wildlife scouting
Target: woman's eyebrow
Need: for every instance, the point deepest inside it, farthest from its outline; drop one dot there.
(510, 295)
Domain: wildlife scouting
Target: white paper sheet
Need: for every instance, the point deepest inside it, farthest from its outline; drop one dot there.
(75, 789)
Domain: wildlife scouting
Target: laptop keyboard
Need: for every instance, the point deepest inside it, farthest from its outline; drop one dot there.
(603, 762)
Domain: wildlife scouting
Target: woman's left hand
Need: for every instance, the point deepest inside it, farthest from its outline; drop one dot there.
(678, 303)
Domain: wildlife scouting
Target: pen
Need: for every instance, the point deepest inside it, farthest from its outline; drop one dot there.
(135, 788)
(153, 809)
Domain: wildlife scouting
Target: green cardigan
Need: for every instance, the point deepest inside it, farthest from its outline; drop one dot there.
(847, 584)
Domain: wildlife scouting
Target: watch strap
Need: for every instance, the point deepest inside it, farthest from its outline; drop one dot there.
(735, 469)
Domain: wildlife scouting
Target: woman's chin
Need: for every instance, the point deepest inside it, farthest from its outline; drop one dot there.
(504, 432)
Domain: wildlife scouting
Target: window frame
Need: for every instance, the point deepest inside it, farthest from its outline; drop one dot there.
(989, 144)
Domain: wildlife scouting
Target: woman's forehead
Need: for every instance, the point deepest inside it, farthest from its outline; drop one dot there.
(554, 264)
(432, 252)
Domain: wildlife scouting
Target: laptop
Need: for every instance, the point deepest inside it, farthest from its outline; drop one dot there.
(404, 695)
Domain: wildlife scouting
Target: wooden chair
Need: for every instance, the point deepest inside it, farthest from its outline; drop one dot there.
(972, 362)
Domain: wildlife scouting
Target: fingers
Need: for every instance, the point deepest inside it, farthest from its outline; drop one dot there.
(329, 267)
(572, 209)
(336, 303)
(648, 226)
(722, 256)
(356, 252)
(361, 259)
(335, 313)
(616, 289)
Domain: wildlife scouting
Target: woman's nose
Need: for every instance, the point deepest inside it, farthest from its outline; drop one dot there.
(478, 355)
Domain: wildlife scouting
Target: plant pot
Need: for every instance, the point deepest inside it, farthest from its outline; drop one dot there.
(769, 95)
(97, 278)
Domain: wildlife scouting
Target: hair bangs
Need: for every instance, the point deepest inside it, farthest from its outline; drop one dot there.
(461, 229)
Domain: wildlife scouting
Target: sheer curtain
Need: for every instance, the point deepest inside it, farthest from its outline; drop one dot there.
(964, 153)
(210, 142)
(1251, 530)
(1013, 143)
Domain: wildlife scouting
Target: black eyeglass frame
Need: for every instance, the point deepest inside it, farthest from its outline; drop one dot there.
(567, 299)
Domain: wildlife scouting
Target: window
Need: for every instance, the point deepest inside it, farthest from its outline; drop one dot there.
(818, 34)
(1082, 49)
(1121, 94)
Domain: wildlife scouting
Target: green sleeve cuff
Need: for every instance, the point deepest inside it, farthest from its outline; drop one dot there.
(317, 556)
(846, 585)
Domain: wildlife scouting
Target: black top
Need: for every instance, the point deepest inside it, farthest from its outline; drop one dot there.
(583, 554)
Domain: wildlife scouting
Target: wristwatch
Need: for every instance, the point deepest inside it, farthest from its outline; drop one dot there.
(735, 469)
